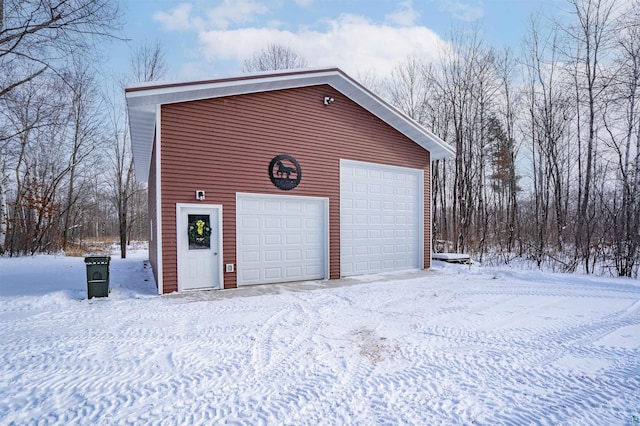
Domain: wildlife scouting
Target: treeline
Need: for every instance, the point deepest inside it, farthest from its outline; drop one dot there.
(547, 164)
(65, 163)
(547, 138)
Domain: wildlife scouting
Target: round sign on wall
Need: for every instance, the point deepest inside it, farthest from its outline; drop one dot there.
(285, 172)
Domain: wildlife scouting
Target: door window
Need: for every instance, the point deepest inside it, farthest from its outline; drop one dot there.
(199, 232)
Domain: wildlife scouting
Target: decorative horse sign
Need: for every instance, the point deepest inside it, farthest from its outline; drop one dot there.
(282, 169)
(285, 172)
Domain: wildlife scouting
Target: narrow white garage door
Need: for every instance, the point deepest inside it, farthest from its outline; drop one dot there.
(280, 238)
(381, 218)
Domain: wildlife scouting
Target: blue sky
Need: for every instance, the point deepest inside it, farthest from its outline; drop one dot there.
(208, 39)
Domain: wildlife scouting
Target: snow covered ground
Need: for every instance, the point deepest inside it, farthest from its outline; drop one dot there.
(452, 345)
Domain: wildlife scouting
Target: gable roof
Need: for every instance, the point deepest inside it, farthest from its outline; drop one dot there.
(142, 102)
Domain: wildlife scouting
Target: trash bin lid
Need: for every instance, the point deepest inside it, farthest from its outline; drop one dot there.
(97, 260)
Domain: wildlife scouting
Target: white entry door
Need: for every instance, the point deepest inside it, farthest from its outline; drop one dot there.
(199, 246)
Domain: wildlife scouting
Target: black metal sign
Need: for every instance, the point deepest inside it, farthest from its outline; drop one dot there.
(285, 172)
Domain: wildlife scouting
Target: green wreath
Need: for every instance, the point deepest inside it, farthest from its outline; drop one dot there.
(199, 232)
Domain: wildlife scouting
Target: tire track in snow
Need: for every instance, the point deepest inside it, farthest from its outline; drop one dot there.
(463, 378)
(282, 337)
(340, 395)
(103, 366)
(283, 344)
(451, 367)
(566, 331)
(539, 349)
(592, 331)
(452, 350)
(335, 387)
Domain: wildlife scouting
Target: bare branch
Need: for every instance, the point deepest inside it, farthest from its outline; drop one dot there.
(274, 57)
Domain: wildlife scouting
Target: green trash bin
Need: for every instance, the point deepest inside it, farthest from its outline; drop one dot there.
(97, 276)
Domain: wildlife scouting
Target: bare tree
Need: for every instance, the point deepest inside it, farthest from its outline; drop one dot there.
(4, 209)
(43, 114)
(622, 126)
(121, 181)
(407, 88)
(147, 64)
(274, 57)
(505, 153)
(468, 86)
(549, 113)
(84, 131)
(31, 111)
(590, 38)
(39, 34)
(371, 81)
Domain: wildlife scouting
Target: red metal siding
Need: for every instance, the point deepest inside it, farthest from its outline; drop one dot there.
(224, 146)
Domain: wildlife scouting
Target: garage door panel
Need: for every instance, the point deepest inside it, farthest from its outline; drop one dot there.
(313, 270)
(250, 222)
(312, 239)
(293, 223)
(272, 206)
(293, 272)
(273, 240)
(250, 239)
(252, 273)
(312, 224)
(251, 205)
(270, 256)
(273, 273)
(293, 239)
(293, 255)
(291, 208)
(375, 234)
(360, 250)
(272, 223)
(289, 237)
(313, 254)
(380, 217)
(250, 256)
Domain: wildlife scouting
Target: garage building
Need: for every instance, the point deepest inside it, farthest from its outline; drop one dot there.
(280, 176)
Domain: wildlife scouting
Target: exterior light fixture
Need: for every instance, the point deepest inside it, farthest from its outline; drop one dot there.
(328, 100)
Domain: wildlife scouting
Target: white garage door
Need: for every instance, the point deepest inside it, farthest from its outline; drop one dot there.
(280, 238)
(381, 218)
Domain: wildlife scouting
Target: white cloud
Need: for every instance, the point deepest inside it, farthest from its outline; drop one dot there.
(469, 10)
(231, 12)
(177, 19)
(405, 16)
(227, 13)
(350, 42)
